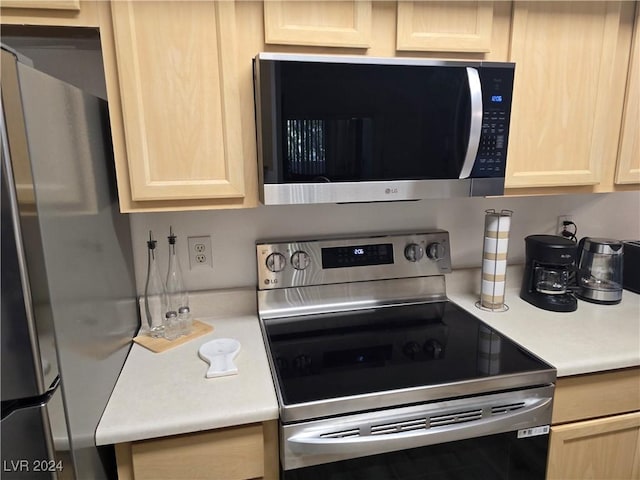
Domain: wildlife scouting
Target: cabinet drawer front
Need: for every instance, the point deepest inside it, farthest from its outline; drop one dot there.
(229, 454)
(180, 101)
(596, 395)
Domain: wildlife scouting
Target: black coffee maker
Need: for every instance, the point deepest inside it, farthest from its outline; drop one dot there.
(549, 273)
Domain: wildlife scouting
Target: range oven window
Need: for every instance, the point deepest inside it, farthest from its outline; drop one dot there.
(494, 457)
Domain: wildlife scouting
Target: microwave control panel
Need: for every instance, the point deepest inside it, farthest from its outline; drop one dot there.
(497, 87)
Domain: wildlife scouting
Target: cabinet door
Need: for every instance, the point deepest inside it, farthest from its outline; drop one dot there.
(234, 453)
(445, 26)
(318, 23)
(69, 13)
(628, 169)
(606, 448)
(44, 4)
(179, 98)
(571, 67)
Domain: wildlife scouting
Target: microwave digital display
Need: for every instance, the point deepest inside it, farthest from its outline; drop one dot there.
(357, 255)
(496, 98)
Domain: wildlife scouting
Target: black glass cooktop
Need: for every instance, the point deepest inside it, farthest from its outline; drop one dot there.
(319, 357)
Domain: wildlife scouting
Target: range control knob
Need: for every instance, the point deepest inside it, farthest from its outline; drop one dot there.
(413, 252)
(300, 260)
(435, 251)
(276, 262)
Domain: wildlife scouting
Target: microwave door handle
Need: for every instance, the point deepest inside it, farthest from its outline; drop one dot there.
(475, 129)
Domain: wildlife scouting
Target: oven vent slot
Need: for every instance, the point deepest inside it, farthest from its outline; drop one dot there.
(427, 422)
(502, 409)
(456, 417)
(354, 432)
(395, 427)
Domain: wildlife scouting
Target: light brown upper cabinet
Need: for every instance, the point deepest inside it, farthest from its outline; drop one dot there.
(628, 168)
(318, 23)
(571, 71)
(59, 13)
(44, 4)
(445, 26)
(175, 105)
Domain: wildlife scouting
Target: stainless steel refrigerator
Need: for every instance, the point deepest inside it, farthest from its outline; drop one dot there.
(68, 292)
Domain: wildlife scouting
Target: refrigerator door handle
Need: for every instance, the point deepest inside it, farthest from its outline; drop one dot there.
(10, 406)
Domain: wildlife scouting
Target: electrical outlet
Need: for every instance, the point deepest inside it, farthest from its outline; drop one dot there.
(200, 252)
(560, 226)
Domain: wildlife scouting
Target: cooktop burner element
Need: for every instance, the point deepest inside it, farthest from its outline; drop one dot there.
(360, 324)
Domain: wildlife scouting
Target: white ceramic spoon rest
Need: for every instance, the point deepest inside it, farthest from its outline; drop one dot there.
(219, 354)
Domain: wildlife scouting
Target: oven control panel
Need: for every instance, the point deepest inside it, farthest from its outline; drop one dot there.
(322, 262)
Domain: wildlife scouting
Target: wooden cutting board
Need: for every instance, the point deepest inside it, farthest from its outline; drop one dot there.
(159, 345)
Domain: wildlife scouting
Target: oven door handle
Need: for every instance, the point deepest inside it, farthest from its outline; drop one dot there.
(475, 129)
(353, 443)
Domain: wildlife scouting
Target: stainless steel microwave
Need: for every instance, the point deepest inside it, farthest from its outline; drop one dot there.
(342, 129)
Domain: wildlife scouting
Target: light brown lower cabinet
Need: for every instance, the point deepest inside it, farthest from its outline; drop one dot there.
(247, 452)
(596, 427)
(605, 448)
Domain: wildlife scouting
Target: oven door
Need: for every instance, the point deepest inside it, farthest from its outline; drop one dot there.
(498, 436)
(492, 457)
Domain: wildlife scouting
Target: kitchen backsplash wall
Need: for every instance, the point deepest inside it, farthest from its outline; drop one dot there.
(234, 232)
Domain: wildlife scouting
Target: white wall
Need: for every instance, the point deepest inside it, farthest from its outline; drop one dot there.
(234, 232)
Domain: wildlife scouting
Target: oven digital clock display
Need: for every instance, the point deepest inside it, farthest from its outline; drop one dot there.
(357, 255)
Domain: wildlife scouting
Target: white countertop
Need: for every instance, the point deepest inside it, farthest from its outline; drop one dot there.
(161, 394)
(593, 338)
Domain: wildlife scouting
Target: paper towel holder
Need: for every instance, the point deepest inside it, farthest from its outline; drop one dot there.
(494, 260)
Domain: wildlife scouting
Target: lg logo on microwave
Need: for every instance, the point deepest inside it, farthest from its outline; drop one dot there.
(391, 190)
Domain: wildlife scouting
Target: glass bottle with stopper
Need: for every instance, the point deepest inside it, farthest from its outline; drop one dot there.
(178, 296)
(154, 293)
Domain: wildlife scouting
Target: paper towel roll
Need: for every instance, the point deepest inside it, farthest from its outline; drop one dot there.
(495, 267)
(496, 222)
(494, 259)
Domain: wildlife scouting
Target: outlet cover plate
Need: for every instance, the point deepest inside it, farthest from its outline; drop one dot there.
(200, 252)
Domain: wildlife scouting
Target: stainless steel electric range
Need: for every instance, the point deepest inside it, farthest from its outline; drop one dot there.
(379, 376)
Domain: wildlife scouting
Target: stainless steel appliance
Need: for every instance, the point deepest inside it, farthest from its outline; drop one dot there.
(336, 129)
(631, 266)
(600, 270)
(549, 273)
(68, 294)
(380, 376)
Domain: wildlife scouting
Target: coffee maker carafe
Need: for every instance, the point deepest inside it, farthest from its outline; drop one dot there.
(549, 272)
